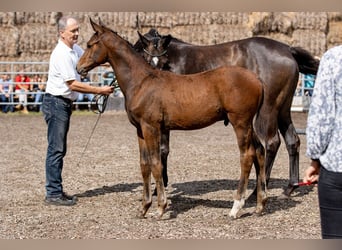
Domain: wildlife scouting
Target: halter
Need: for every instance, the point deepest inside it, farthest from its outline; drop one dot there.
(101, 100)
(157, 55)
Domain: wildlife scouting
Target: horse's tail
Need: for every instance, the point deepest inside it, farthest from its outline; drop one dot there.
(307, 63)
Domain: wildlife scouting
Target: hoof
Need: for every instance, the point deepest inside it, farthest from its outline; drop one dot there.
(140, 215)
(259, 211)
(289, 190)
(233, 215)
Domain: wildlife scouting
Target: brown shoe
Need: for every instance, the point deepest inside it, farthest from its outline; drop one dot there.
(25, 111)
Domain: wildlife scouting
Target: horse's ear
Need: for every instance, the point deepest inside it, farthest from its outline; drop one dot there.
(166, 41)
(143, 39)
(95, 26)
(153, 32)
(101, 23)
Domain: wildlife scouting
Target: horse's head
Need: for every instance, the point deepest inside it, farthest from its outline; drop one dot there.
(155, 48)
(96, 52)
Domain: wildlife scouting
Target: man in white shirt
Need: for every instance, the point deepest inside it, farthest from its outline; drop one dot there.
(62, 89)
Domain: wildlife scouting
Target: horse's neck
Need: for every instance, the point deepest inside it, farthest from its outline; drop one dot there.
(129, 67)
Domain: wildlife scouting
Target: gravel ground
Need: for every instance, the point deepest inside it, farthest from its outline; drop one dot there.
(203, 174)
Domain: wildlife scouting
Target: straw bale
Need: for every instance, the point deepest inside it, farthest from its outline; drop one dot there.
(115, 19)
(22, 18)
(37, 38)
(334, 36)
(311, 20)
(280, 37)
(34, 34)
(210, 34)
(260, 22)
(312, 40)
(155, 19)
(229, 18)
(6, 19)
(9, 37)
(334, 16)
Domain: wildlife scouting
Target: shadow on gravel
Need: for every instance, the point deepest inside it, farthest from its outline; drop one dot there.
(187, 195)
(183, 197)
(122, 187)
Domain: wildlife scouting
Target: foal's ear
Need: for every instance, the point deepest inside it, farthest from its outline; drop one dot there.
(101, 23)
(95, 26)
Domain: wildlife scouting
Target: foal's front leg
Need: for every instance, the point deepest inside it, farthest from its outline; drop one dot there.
(146, 175)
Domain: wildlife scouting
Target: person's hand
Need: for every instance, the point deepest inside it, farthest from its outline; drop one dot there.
(106, 90)
(311, 174)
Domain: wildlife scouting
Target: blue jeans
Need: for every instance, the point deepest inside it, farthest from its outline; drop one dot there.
(330, 203)
(57, 112)
(9, 107)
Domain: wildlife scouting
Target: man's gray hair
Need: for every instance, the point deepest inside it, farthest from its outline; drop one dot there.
(63, 21)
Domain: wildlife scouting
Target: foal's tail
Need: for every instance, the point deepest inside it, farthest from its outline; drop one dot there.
(307, 63)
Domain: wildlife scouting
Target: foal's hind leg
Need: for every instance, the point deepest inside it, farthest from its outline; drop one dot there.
(164, 150)
(247, 153)
(150, 161)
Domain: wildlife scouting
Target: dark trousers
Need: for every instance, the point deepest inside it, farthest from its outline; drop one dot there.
(57, 112)
(330, 203)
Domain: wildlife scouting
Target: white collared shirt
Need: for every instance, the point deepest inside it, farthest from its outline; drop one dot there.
(62, 68)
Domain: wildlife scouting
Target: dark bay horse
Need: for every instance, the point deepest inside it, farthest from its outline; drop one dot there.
(276, 64)
(159, 101)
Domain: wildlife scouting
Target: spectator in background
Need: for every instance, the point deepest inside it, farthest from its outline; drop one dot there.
(38, 87)
(6, 93)
(22, 88)
(81, 96)
(309, 83)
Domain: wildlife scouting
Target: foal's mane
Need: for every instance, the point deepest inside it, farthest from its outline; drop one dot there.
(116, 33)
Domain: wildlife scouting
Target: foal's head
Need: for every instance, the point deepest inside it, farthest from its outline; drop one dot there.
(155, 49)
(96, 52)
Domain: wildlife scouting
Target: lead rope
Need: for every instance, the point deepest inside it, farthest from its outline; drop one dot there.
(101, 103)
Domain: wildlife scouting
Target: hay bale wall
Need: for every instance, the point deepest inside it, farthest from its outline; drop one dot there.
(31, 36)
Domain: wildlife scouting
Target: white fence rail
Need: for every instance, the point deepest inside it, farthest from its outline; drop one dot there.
(301, 100)
(33, 69)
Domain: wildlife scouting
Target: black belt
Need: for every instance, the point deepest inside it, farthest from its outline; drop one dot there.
(60, 97)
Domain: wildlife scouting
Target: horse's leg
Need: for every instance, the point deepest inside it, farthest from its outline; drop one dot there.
(151, 155)
(146, 176)
(259, 163)
(247, 153)
(292, 142)
(268, 128)
(165, 149)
